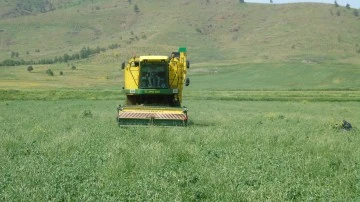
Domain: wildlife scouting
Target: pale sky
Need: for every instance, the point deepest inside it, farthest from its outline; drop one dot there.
(353, 3)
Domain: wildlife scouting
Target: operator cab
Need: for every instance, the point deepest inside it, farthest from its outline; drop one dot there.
(154, 74)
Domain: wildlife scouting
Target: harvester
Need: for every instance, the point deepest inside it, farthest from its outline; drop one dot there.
(153, 89)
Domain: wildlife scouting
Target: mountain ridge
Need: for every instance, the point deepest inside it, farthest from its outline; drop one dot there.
(213, 31)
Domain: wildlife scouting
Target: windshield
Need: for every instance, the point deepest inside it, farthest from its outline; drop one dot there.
(154, 75)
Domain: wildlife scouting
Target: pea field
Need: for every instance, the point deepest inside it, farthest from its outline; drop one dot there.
(240, 145)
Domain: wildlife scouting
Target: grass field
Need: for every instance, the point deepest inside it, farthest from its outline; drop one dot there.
(257, 132)
(232, 150)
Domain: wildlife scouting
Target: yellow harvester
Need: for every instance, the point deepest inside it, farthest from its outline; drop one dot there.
(153, 88)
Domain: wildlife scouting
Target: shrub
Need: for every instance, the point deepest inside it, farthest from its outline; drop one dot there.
(114, 46)
(66, 57)
(356, 12)
(87, 113)
(61, 73)
(73, 67)
(136, 8)
(49, 72)
(14, 54)
(30, 68)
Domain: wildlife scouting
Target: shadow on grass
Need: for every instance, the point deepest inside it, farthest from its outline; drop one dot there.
(200, 124)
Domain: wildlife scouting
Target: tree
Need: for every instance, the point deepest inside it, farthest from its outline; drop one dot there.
(14, 54)
(75, 56)
(348, 6)
(49, 72)
(85, 52)
(336, 4)
(30, 68)
(136, 8)
(66, 57)
(242, 1)
(271, 1)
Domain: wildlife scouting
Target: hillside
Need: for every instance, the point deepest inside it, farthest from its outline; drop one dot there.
(223, 32)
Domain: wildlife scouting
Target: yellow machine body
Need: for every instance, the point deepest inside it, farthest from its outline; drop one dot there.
(153, 89)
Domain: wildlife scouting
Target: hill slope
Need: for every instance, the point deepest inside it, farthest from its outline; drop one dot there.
(214, 31)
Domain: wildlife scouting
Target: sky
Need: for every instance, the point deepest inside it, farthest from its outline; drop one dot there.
(352, 3)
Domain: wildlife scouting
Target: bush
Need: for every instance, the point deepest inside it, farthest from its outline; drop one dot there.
(30, 68)
(49, 72)
(66, 57)
(356, 12)
(136, 9)
(87, 113)
(14, 54)
(10, 62)
(61, 73)
(114, 46)
(73, 67)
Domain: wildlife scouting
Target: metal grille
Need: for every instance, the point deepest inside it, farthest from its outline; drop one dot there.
(136, 115)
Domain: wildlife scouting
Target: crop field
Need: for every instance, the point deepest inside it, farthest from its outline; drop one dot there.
(260, 132)
(73, 150)
(266, 133)
(270, 132)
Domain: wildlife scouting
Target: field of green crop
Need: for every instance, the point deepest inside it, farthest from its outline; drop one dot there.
(257, 132)
(73, 150)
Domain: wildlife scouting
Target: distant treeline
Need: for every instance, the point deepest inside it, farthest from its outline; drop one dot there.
(85, 52)
(27, 7)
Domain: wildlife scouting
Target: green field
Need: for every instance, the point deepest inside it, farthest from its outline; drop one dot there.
(254, 137)
(232, 150)
(270, 87)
